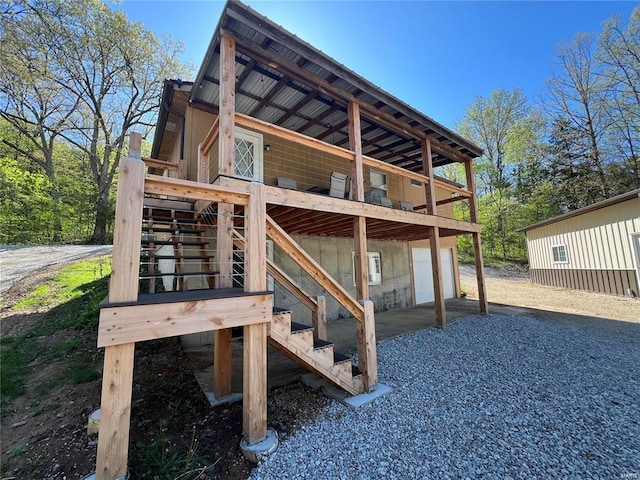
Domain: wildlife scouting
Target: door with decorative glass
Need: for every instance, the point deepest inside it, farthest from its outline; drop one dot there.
(248, 155)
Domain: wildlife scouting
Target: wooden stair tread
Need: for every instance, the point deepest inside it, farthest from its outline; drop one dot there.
(178, 229)
(278, 310)
(148, 275)
(299, 327)
(340, 357)
(147, 241)
(168, 209)
(177, 257)
(168, 218)
(319, 344)
(184, 296)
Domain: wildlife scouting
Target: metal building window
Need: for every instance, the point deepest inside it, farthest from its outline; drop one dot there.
(374, 268)
(559, 254)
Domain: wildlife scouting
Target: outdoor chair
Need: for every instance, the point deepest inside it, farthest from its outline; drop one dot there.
(285, 182)
(407, 206)
(338, 185)
(386, 202)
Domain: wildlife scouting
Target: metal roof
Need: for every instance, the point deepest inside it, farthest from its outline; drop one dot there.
(589, 208)
(285, 81)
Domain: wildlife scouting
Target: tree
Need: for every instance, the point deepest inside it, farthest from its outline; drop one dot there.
(618, 51)
(576, 98)
(108, 71)
(508, 131)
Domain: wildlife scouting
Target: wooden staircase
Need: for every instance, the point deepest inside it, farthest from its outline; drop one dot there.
(298, 343)
(173, 223)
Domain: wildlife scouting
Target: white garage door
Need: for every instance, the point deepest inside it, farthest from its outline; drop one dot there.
(423, 276)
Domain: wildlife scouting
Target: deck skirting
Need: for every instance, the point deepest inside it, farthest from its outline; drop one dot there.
(612, 282)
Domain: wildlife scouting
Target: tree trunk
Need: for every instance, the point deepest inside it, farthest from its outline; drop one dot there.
(102, 217)
(57, 214)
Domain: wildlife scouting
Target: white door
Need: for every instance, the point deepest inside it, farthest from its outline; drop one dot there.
(448, 280)
(423, 274)
(248, 155)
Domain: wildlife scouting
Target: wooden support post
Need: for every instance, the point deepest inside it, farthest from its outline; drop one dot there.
(117, 376)
(434, 236)
(477, 245)
(183, 172)
(224, 235)
(254, 400)
(355, 145)
(359, 223)
(367, 353)
(320, 318)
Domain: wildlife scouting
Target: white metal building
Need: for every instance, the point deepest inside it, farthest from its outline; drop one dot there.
(595, 248)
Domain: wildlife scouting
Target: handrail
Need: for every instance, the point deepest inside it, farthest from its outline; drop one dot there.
(309, 265)
(282, 278)
(155, 163)
(254, 123)
(210, 137)
(159, 185)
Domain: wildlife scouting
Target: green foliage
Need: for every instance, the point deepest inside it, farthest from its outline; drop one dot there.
(25, 205)
(74, 297)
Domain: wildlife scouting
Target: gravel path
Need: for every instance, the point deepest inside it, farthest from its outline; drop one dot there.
(18, 262)
(489, 397)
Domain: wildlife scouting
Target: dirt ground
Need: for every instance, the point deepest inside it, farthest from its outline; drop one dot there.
(513, 287)
(173, 435)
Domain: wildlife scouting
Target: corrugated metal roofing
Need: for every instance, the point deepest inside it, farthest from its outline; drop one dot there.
(256, 33)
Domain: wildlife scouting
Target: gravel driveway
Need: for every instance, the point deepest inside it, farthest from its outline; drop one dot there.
(17, 262)
(489, 397)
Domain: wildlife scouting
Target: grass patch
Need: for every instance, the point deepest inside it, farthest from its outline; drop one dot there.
(72, 298)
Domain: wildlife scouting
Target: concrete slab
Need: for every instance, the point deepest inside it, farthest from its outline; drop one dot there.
(231, 398)
(342, 332)
(257, 451)
(353, 401)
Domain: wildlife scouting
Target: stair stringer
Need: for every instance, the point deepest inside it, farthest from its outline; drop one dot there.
(300, 348)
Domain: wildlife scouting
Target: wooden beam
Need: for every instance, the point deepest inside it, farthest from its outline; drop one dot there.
(160, 164)
(210, 137)
(367, 354)
(319, 318)
(115, 412)
(375, 115)
(290, 135)
(477, 244)
(136, 323)
(117, 376)
(355, 145)
(361, 260)
(434, 238)
(224, 225)
(226, 143)
(457, 198)
(309, 265)
(254, 400)
(174, 187)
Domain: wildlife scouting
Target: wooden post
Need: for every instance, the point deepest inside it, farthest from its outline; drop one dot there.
(224, 235)
(254, 400)
(320, 318)
(367, 353)
(183, 169)
(477, 245)
(434, 236)
(355, 145)
(117, 376)
(359, 223)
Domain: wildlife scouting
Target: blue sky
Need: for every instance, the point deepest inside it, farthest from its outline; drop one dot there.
(436, 56)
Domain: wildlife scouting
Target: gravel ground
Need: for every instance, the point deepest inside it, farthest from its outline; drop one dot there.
(489, 397)
(16, 262)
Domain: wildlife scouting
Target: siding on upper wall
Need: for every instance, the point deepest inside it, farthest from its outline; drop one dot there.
(597, 240)
(308, 166)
